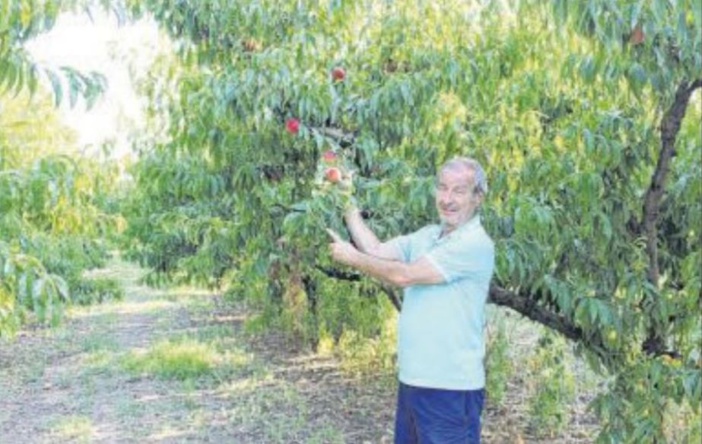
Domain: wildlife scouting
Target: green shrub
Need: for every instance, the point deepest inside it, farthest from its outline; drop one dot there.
(553, 386)
(499, 366)
(96, 290)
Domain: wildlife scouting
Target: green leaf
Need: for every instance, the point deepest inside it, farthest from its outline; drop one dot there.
(56, 86)
(637, 77)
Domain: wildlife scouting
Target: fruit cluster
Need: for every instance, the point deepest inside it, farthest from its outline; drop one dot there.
(292, 125)
(333, 178)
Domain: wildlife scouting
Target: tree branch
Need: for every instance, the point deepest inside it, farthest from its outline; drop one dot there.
(669, 129)
(390, 292)
(527, 307)
(339, 135)
(393, 296)
(339, 274)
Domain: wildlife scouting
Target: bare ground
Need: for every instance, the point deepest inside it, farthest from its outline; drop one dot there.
(69, 384)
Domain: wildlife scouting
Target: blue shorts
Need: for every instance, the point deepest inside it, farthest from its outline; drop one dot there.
(436, 416)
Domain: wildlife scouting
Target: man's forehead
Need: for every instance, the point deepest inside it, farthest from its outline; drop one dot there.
(457, 173)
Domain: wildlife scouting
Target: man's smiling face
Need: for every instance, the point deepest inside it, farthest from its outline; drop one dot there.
(456, 197)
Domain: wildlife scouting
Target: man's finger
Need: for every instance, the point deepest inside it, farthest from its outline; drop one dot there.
(333, 235)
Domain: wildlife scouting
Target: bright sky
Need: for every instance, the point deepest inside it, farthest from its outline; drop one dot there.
(100, 45)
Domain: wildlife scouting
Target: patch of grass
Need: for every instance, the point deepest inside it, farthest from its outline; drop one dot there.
(236, 363)
(188, 357)
(190, 394)
(97, 362)
(326, 435)
(274, 411)
(192, 296)
(34, 371)
(97, 341)
(174, 360)
(74, 428)
(129, 409)
(216, 333)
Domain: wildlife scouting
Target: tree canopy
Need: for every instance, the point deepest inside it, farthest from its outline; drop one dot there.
(586, 116)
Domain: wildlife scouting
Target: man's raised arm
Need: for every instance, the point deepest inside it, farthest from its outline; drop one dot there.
(364, 238)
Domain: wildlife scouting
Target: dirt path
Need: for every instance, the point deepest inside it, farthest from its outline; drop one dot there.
(71, 384)
(90, 380)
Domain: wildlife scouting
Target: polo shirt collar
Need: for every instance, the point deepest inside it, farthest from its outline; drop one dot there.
(472, 224)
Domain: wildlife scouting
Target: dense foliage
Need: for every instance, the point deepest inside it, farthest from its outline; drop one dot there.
(53, 225)
(583, 114)
(586, 116)
(52, 202)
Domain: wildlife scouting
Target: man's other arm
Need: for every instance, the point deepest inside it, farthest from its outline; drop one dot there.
(394, 272)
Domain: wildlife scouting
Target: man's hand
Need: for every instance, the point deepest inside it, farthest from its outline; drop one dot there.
(341, 251)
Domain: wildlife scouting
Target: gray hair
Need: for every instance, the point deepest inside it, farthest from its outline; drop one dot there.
(473, 165)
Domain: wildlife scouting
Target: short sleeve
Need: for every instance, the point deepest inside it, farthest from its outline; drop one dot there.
(407, 245)
(402, 246)
(473, 256)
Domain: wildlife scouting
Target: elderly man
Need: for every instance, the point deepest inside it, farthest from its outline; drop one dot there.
(445, 271)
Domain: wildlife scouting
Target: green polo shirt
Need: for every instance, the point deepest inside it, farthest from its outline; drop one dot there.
(440, 338)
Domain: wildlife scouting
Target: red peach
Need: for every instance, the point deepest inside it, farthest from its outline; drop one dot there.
(338, 74)
(293, 126)
(333, 175)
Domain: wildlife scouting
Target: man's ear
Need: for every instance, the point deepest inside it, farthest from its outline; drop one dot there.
(479, 197)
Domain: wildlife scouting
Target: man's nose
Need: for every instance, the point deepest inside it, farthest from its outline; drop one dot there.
(445, 197)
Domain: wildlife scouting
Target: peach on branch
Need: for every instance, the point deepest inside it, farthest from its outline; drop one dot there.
(293, 126)
(333, 175)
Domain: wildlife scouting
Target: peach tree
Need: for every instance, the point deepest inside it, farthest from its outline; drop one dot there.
(586, 116)
(53, 203)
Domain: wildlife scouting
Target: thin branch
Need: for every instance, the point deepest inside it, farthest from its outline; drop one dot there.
(393, 296)
(288, 209)
(339, 274)
(343, 138)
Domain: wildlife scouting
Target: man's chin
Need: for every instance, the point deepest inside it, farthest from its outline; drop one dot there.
(447, 225)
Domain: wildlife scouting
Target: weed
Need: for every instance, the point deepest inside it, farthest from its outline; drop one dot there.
(74, 428)
(499, 365)
(553, 389)
(189, 358)
(174, 360)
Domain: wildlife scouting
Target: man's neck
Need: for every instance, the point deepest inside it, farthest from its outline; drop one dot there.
(446, 230)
